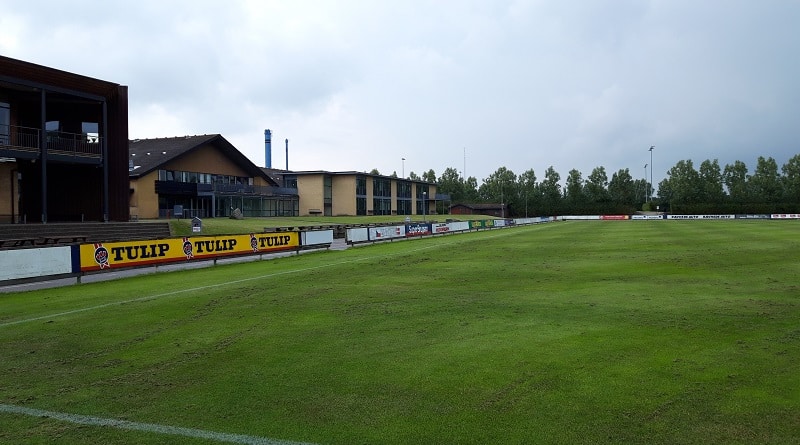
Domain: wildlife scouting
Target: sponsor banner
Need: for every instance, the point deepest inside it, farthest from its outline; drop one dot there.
(701, 216)
(752, 216)
(316, 237)
(499, 223)
(357, 235)
(100, 256)
(418, 229)
(440, 228)
(459, 226)
(477, 224)
(646, 217)
(614, 217)
(581, 217)
(785, 216)
(387, 232)
(30, 263)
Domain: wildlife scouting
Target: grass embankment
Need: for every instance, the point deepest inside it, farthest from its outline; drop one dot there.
(582, 332)
(227, 226)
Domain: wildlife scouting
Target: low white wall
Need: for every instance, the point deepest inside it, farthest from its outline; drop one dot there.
(30, 263)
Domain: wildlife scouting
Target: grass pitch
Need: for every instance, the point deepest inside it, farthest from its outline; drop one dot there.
(578, 332)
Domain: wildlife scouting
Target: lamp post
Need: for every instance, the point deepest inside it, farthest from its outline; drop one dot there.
(424, 203)
(404, 168)
(645, 183)
(651, 171)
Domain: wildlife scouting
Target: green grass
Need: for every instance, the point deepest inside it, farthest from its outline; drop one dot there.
(575, 333)
(226, 226)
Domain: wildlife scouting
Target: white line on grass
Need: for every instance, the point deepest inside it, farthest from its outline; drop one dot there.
(211, 286)
(146, 427)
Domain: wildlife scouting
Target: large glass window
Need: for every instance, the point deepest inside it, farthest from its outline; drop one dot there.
(91, 131)
(403, 189)
(328, 190)
(5, 123)
(381, 187)
(361, 206)
(361, 188)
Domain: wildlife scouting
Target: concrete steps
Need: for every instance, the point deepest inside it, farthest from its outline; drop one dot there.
(13, 236)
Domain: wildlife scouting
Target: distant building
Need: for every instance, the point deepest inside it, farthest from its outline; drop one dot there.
(63, 145)
(498, 210)
(356, 193)
(202, 176)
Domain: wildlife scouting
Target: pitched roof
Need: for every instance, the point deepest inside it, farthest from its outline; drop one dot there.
(481, 206)
(150, 154)
(39, 75)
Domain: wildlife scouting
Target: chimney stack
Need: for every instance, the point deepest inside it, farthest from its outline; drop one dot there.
(267, 149)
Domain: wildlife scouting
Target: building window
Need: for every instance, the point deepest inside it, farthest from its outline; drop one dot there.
(403, 189)
(91, 132)
(328, 190)
(361, 186)
(5, 123)
(361, 206)
(381, 187)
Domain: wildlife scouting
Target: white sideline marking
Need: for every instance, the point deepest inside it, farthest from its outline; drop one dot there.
(211, 286)
(146, 427)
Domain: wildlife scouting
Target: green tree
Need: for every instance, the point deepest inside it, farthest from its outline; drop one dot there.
(414, 177)
(622, 189)
(710, 177)
(680, 187)
(573, 192)
(471, 190)
(452, 184)
(791, 180)
(550, 191)
(595, 187)
(429, 176)
(526, 184)
(766, 182)
(500, 187)
(736, 180)
(374, 171)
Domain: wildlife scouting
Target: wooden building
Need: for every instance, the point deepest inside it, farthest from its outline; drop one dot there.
(498, 210)
(63, 146)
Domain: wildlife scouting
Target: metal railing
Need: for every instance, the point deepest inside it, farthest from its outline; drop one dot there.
(21, 138)
(73, 143)
(60, 142)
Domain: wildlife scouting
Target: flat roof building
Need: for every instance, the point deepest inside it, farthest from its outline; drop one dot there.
(356, 193)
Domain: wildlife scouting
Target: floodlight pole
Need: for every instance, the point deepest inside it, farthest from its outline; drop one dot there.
(651, 171)
(645, 183)
(404, 168)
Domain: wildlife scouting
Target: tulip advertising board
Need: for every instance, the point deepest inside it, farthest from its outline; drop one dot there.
(100, 256)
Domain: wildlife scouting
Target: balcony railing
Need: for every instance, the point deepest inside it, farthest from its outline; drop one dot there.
(58, 142)
(19, 138)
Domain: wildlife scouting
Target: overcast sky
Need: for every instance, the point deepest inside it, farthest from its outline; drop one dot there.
(357, 85)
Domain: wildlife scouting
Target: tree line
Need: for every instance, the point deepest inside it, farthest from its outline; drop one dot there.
(710, 189)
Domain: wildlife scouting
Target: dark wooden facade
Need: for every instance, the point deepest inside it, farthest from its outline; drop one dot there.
(66, 138)
(498, 210)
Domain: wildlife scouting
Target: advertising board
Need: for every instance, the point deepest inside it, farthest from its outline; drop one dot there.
(418, 229)
(785, 216)
(29, 263)
(387, 232)
(99, 256)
